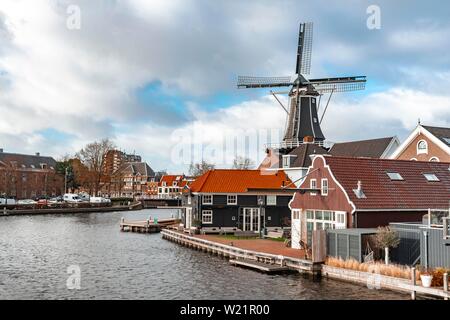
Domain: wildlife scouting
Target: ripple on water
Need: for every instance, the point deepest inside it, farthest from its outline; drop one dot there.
(35, 252)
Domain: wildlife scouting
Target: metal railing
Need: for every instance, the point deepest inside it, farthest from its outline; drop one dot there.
(296, 144)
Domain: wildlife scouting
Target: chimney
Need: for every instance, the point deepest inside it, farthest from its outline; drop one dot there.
(359, 192)
(38, 154)
(359, 188)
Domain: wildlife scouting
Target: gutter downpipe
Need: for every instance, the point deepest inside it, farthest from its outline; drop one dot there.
(425, 235)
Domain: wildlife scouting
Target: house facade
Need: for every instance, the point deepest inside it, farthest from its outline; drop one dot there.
(131, 180)
(248, 200)
(425, 143)
(25, 176)
(341, 192)
(171, 186)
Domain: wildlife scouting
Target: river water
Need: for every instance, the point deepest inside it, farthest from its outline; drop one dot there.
(36, 251)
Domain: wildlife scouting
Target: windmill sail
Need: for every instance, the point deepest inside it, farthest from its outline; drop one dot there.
(304, 50)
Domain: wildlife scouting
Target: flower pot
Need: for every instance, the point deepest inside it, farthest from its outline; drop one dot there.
(426, 280)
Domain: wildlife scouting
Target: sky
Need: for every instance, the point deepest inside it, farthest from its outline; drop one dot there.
(159, 77)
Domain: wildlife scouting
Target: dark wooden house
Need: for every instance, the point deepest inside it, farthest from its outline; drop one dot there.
(248, 200)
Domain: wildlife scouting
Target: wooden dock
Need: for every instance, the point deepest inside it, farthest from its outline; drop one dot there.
(260, 266)
(147, 226)
(243, 255)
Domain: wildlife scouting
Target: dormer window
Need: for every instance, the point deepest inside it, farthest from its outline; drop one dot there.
(422, 147)
(287, 160)
(175, 183)
(164, 183)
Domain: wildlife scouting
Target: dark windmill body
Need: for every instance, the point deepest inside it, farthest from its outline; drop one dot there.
(303, 122)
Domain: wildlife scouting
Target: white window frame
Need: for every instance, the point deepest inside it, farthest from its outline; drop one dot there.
(323, 189)
(434, 159)
(295, 214)
(422, 151)
(313, 187)
(271, 203)
(231, 203)
(209, 214)
(206, 196)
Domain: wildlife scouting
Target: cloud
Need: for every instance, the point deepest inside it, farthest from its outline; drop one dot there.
(87, 84)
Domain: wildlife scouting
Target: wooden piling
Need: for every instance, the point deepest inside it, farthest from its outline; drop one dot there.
(446, 284)
(413, 282)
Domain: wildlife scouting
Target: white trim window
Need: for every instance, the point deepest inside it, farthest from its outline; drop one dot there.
(231, 199)
(207, 217)
(324, 187)
(295, 214)
(312, 186)
(422, 147)
(207, 199)
(271, 200)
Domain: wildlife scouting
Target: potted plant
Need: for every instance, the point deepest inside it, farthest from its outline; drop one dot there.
(426, 277)
(386, 238)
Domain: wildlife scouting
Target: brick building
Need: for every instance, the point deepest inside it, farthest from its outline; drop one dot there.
(341, 192)
(28, 176)
(425, 143)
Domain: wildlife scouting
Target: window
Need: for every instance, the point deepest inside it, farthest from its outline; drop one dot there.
(175, 183)
(207, 216)
(422, 147)
(313, 186)
(431, 177)
(434, 159)
(231, 199)
(271, 200)
(324, 187)
(164, 183)
(207, 199)
(413, 159)
(286, 162)
(295, 214)
(395, 176)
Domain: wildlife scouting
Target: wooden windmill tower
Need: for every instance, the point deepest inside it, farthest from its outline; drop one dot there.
(303, 123)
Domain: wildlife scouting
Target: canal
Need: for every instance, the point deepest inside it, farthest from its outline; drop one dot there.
(35, 252)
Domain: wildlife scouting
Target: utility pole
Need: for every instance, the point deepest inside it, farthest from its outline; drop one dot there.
(65, 180)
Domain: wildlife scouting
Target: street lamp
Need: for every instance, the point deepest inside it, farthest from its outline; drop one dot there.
(260, 203)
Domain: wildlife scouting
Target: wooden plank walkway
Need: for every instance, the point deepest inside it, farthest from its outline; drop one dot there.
(235, 253)
(264, 267)
(147, 226)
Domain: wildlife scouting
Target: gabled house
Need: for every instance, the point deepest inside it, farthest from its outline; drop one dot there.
(341, 192)
(248, 200)
(171, 186)
(131, 179)
(425, 143)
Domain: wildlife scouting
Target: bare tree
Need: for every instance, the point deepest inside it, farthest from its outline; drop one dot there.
(242, 163)
(200, 168)
(93, 157)
(386, 238)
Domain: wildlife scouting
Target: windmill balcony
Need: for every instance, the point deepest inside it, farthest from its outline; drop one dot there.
(295, 143)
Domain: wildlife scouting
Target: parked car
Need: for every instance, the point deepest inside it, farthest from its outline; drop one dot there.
(99, 200)
(84, 197)
(7, 201)
(72, 198)
(56, 200)
(26, 202)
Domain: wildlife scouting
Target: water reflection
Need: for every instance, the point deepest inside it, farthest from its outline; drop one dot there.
(35, 252)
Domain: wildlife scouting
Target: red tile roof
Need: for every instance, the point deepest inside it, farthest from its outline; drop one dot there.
(169, 180)
(414, 192)
(238, 181)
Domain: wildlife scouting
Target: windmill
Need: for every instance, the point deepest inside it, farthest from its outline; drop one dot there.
(302, 122)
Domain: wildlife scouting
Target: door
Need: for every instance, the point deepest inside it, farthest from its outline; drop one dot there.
(251, 219)
(188, 218)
